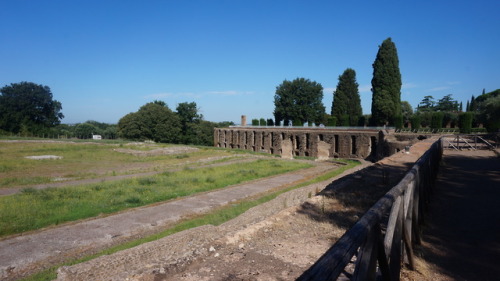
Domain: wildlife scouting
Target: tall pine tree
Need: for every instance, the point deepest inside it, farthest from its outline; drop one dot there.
(386, 85)
(346, 103)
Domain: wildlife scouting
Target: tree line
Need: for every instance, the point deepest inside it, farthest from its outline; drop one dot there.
(299, 101)
(28, 109)
(157, 122)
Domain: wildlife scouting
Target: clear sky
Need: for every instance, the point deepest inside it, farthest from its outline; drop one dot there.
(104, 59)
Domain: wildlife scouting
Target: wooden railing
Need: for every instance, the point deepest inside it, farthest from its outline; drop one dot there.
(383, 238)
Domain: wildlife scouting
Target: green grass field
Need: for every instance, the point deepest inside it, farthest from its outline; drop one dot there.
(85, 160)
(33, 209)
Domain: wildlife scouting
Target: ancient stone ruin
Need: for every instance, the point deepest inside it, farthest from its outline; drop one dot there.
(318, 142)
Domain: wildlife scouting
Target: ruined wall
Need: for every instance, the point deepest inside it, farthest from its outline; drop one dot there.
(314, 142)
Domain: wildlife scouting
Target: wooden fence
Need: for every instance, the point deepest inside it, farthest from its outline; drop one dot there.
(375, 247)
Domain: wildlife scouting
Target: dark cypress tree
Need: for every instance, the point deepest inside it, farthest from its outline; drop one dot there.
(386, 85)
(472, 105)
(346, 100)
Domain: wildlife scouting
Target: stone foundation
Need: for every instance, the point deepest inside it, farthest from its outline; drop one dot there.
(319, 143)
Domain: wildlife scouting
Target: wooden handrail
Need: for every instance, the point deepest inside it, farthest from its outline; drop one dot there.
(374, 251)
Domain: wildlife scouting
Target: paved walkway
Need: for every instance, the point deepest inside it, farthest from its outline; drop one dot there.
(33, 251)
(462, 236)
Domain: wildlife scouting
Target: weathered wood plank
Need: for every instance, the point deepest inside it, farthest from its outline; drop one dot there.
(396, 247)
(366, 263)
(408, 248)
(382, 258)
(391, 225)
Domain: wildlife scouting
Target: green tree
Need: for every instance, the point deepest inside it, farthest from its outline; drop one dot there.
(299, 101)
(203, 133)
(110, 132)
(427, 104)
(489, 112)
(346, 100)
(30, 106)
(447, 103)
(86, 130)
(386, 85)
(189, 117)
(472, 105)
(153, 121)
(188, 112)
(406, 111)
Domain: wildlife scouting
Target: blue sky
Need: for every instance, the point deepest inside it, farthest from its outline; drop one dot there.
(104, 59)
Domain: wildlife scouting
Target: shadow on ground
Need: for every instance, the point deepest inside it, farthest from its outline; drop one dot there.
(462, 234)
(345, 200)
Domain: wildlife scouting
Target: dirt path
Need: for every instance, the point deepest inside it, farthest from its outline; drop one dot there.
(30, 252)
(462, 236)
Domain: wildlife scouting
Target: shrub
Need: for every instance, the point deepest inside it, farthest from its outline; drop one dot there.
(262, 122)
(465, 122)
(332, 121)
(398, 121)
(415, 122)
(437, 120)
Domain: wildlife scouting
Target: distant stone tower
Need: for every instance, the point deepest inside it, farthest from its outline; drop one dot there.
(243, 120)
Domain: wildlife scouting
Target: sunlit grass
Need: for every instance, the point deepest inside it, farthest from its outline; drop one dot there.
(83, 161)
(33, 209)
(215, 217)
